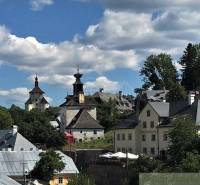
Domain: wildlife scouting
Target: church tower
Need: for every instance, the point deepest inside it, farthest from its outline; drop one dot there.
(36, 99)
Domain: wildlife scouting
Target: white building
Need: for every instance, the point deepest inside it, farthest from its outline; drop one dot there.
(148, 134)
(36, 99)
(78, 115)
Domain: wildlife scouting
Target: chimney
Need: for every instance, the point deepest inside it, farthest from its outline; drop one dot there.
(14, 129)
(191, 97)
(120, 95)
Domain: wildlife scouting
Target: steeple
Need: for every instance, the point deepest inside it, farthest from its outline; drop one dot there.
(78, 85)
(36, 81)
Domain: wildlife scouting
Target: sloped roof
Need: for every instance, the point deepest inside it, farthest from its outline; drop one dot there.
(162, 108)
(128, 123)
(44, 101)
(156, 95)
(13, 163)
(83, 120)
(36, 90)
(14, 141)
(5, 180)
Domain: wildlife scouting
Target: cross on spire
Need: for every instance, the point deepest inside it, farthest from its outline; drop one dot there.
(78, 68)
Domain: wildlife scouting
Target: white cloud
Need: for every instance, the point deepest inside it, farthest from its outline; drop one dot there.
(147, 5)
(28, 54)
(17, 96)
(40, 4)
(102, 82)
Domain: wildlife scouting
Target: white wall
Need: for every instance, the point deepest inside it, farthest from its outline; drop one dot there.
(87, 134)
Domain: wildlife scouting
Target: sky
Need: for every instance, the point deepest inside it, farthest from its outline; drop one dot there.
(108, 39)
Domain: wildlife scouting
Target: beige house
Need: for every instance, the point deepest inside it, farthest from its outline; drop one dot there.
(149, 133)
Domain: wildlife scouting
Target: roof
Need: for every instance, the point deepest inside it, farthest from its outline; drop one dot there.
(14, 141)
(156, 95)
(162, 108)
(83, 120)
(73, 101)
(128, 123)
(11, 163)
(44, 101)
(36, 90)
(5, 180)
(122, 103)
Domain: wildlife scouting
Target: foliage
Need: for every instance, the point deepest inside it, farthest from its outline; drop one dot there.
(159, 72)
(6, 120)
(108, 114)
(35, 126)
(49, 163)
(190, 62)
(182, 137)
(81, 179)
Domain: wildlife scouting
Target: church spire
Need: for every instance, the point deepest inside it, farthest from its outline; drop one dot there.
(36, 81)
(78, 85)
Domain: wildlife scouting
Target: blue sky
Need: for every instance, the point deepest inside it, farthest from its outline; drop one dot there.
(108, 39)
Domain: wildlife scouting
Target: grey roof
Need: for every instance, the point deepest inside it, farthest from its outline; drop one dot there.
(122, 103)
(128, 123)
(14, 141)
(156, 95)
(162, 108)
(83, 120)
(12, 162)
(5, 180)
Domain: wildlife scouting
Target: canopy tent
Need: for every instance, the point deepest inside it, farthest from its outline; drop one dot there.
(119, 155)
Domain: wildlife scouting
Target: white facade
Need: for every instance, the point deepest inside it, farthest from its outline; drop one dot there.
(87, 134)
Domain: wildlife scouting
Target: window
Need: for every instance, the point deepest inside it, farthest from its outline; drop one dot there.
(152, 151)
(80, 140)
(22, 149)
(123, 150)
(118, 149)
(153, 137)
(165, 137)
(130, 150)
(144, 150)
(81, 131)
(118, 137)
(152, 124)
(129, 136)
(123, 137)
(144, 124)
(91, 138)
(143, 137)
(148, 113)
(31, 149)
(95, 131)
(60, 180)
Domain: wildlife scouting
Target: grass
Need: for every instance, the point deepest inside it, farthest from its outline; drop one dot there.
(103, 143)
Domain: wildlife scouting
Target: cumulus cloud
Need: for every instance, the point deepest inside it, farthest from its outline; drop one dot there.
(17, 96)
(103, 82)
(147, 5)
(31, 55)
(40, 4)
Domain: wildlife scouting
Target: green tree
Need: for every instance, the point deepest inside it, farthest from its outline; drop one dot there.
(182, 137)
(190, 62)
(191, 162)
(159, 72)
(49, 163)
(6, 120)
(81, 179)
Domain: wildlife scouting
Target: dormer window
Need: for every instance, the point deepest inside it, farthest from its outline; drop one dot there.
(148, 113)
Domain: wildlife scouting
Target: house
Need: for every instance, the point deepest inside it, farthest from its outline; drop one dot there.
(5, 180)
(36, 99)
(12, 140)
(150, 131)
(16, 164)
(122, 103)
(78, 115)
